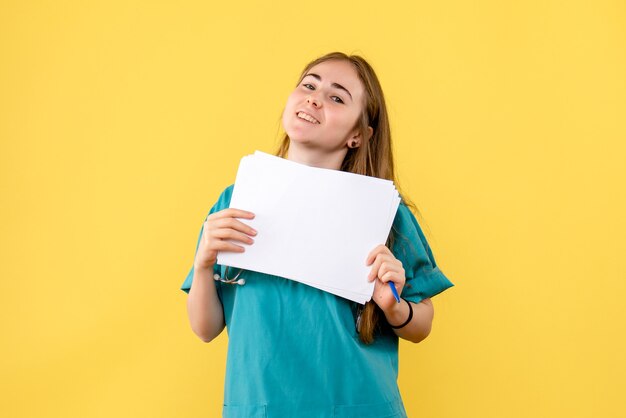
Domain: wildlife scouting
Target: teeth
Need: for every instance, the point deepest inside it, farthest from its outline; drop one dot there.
(310, 118)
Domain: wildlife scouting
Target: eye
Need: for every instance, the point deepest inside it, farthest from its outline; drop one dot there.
(309, 86)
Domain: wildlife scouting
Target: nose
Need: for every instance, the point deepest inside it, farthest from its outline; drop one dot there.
(313, 101)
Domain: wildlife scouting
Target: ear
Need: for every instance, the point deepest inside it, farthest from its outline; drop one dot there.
(370, 132)
(355, 139)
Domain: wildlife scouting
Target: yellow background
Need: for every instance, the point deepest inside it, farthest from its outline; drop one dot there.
(122, 121)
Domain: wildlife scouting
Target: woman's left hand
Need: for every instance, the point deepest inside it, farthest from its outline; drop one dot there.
(386, 268)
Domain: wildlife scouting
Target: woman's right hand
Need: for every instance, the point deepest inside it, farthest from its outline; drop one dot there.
(218, 227)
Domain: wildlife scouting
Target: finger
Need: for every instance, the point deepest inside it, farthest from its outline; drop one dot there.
(225, 246)
(390, 276)
(388, 266)
(232, 223)
(374, 272)
(231, 213)
(205, 236)
(227, 233)
(375, 267)
(372, 255)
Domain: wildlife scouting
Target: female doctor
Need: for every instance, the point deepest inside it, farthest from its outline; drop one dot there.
(295, 350)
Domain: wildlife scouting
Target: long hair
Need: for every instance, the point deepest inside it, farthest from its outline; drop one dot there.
(373, 158)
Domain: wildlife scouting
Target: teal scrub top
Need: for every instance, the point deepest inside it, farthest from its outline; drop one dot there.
(293, 350)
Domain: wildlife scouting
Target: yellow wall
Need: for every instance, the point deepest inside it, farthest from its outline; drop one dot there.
(122, 121)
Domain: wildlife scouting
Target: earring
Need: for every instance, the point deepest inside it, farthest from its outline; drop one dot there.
(353, 144)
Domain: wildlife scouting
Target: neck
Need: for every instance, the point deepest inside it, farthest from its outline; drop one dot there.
(316, 157)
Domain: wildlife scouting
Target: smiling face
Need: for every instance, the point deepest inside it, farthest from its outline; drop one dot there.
(321, 113)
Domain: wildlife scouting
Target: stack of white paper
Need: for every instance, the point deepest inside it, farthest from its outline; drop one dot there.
(315, 225)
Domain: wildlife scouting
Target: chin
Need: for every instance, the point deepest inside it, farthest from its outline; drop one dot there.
(295, 135)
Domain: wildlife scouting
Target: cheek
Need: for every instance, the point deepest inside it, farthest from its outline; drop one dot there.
(289, 107)
(345, 120)
(292, 100)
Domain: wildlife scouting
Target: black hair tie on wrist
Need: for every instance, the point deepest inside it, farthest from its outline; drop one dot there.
(408, 319)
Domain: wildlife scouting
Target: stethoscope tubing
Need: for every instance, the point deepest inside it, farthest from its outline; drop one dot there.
(234, 280)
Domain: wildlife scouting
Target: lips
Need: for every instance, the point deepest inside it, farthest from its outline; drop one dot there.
(301, 114)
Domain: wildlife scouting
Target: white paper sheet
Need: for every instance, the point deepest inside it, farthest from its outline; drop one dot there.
(315, 225)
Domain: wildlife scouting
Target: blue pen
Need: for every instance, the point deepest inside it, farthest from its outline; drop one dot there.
(394, 291)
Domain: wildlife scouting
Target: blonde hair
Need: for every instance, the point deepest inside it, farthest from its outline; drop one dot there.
(373, 158)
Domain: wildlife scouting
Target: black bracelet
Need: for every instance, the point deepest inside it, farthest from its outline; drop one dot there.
(408, 319)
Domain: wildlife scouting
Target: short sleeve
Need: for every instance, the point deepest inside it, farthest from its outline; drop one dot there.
(223, 202)
(423, 277)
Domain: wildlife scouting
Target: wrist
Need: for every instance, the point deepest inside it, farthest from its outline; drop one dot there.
(204, 268)
(398, 313)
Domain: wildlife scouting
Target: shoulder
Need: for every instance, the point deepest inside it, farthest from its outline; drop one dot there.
(226, 194)
(223, 201)
(404, 221)
(410, 240)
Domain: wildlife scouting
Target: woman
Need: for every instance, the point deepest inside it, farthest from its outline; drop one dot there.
(294, 350)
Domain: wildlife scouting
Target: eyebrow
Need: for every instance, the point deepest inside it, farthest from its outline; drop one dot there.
(339, 86)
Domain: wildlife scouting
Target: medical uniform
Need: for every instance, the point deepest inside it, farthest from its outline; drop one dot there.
(293, 350)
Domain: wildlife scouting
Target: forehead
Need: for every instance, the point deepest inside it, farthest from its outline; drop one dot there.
(341, 72)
